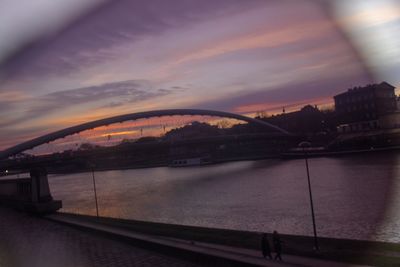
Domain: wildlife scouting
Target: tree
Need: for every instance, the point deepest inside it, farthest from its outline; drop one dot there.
(87, 146)
(262, 114)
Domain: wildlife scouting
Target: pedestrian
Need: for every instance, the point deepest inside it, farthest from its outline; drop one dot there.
(265, 248)
(276, 239)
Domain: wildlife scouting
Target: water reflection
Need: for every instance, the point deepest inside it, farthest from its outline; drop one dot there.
(350, 194)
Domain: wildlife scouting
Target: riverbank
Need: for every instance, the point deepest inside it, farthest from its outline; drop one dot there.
(342, 250)
(327, 153)
(165, 164)
(282, 156)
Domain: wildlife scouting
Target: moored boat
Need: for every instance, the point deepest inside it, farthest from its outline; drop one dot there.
(190, 162)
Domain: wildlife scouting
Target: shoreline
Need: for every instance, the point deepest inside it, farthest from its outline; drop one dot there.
(290, 155)
(282, 156)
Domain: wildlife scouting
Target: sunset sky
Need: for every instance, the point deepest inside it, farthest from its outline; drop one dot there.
(241, 56)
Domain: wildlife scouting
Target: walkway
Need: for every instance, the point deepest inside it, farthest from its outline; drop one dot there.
(36, 242)
(199, 249)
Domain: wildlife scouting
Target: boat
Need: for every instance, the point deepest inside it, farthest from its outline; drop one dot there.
(190, 162)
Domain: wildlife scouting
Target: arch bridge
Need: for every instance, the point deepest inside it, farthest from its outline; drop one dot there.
(131, 117)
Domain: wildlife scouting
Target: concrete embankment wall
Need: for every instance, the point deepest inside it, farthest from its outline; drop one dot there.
(30, 194)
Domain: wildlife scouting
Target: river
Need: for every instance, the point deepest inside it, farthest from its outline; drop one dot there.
(354, 196)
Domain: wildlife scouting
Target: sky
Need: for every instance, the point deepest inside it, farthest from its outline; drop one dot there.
(77, 61)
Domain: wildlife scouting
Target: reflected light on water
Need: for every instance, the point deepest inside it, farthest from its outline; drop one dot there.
(350, 195)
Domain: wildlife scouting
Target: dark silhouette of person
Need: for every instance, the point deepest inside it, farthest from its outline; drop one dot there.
(276, 239)
(266, 249)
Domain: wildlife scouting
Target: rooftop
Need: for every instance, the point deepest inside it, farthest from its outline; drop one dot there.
(367, 87)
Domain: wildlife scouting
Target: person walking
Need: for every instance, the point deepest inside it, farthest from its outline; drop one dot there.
(276, 239)
(265, 248)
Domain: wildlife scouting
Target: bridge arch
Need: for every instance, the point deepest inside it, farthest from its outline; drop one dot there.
(127, 117)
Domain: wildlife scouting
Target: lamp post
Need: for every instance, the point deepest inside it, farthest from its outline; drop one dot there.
(95, 191)
(305, 145)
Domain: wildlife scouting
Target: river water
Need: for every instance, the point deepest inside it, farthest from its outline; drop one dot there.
(354, 196)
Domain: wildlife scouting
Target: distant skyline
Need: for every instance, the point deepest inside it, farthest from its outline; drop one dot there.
(131, 56)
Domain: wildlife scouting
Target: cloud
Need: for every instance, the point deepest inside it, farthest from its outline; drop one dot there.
(285, 95)
(292, 34)
(103, 95)
(133, 90)
(90, 40)
(12, 96)
(234, 55)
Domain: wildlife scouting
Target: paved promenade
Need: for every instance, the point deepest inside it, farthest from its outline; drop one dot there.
(228, 254)
(27, 241)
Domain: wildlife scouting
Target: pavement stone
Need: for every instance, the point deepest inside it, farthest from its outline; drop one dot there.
(35, 242)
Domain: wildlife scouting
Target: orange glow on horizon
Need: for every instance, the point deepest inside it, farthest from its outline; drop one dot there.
(276, 108)
(119, 133)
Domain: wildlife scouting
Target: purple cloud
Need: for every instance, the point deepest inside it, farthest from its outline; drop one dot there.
(287, 94)
(114, 23)
(110, 94)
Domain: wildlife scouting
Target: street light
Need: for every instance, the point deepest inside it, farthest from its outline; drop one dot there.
(94, 189)
(305, 145)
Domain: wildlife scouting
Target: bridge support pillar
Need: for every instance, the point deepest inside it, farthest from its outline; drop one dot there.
(41, 199)
(40, 189)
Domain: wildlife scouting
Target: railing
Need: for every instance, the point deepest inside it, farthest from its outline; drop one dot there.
(16, 189)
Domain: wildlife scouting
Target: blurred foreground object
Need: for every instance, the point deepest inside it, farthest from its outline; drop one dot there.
(373, 27)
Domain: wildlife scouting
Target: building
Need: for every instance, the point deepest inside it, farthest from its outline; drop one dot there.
(307, 120)
(361, 108)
